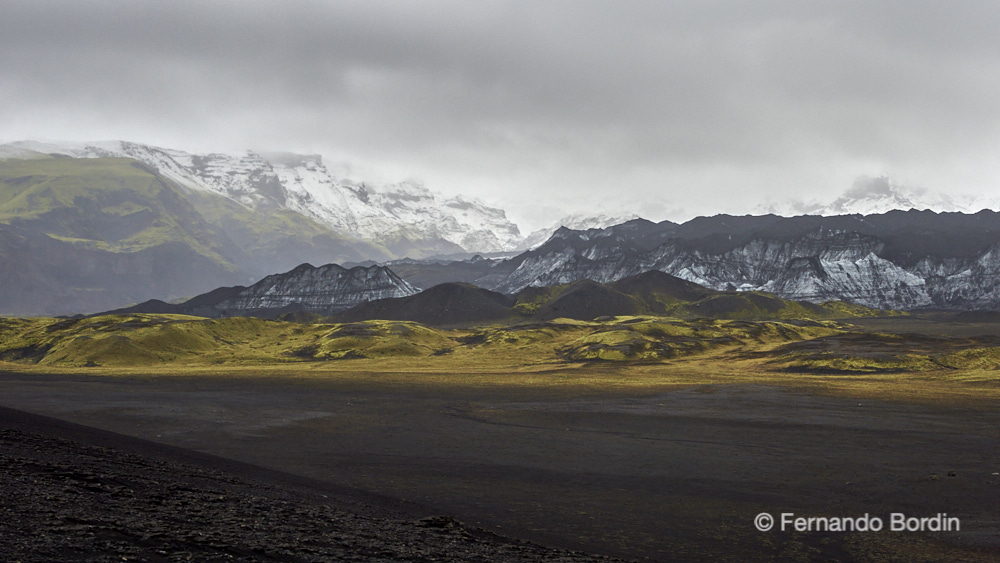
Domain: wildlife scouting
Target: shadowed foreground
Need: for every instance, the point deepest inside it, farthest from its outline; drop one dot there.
(72, 493)
(664, 472)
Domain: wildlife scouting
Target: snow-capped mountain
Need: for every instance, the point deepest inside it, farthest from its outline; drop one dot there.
(576, 222)
(870, 196)
(385, 214)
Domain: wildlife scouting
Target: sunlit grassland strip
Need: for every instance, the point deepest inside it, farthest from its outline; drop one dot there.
(623, 354)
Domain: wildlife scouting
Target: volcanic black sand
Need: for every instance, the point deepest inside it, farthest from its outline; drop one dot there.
(74, 493)
(662, 474)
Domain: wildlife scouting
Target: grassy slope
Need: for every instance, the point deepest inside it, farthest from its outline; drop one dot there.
(801, 346)
(119, 205)
(283, 234)
(749, 305)
(110, 204)
(143, 339)
(84, 235)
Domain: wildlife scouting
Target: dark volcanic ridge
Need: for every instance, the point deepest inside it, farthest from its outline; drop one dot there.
(308, 294)
(73, 493)
(649, 293)
(444, 304)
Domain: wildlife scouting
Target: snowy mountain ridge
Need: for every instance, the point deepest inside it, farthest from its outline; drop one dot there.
(301, 183)
(576, 222)
(876, 195)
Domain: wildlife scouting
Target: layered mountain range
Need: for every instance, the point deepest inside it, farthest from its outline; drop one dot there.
(377, 293)
(896, 260)
(91, 227)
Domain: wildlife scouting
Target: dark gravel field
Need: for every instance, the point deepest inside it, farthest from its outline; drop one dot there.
(71, 493)
(308, 470)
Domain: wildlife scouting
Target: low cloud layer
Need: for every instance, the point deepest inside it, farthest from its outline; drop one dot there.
(666, 109)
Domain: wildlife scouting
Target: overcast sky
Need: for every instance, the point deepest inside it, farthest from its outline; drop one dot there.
(666, 109)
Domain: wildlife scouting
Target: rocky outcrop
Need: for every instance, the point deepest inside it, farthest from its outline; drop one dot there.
(323, 290)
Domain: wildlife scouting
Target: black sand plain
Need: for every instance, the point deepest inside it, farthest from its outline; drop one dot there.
(662, 474)
(76, 493)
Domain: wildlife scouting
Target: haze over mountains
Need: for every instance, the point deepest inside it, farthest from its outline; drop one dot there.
(98, 226)
(875, 195)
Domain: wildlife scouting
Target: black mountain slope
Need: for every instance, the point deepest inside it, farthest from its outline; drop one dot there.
(659, 286)
(204, 305)
(656, 293)
(587, 299)
(441, 305)
(650, 293)
(210, 300)
(749, 305)
(151, 307)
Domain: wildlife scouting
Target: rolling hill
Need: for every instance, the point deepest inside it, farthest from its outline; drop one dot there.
(649, 293)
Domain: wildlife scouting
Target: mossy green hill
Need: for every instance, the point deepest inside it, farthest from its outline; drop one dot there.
(182, 342)
(146, 340)
(110, 204)
(650, 293)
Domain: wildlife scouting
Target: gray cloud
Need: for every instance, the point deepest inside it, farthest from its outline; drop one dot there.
(705, 107)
